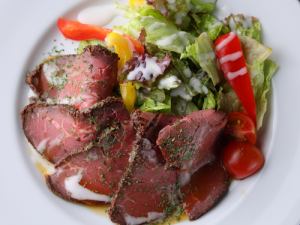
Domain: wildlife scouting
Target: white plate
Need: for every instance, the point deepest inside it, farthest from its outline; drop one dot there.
(271, 197)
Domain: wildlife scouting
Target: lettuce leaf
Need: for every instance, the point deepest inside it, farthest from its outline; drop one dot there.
(182, 107)
(209, 24)
(159, 30)
(84, 44)
(151, 105)
(203, 6)
(254, 51)
(262, 74)
(179, 10)
(245, 26)
(209, 101)
(202, 53)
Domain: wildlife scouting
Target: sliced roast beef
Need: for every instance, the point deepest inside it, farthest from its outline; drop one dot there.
(152, 123)
(95, 173)
(56, 131)
(79, 80)
(92, 177)
(188, 144)
(146, 191)
(206, 188)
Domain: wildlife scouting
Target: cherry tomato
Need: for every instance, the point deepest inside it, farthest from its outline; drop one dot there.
(241, 127)
(242, 159)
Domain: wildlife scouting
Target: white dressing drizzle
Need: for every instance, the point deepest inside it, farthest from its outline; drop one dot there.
(37, 159)
(130, 220)
(233, 75)
(226, 41)
(147, 71)
(41, 147)
(169, 83)
(181, 92)
(231, 57)
(78, 192)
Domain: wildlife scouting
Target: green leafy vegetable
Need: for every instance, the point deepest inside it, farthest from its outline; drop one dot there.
(245, 26)
(203, 6)
(254, 51)
(209, 24)
(209, 101)
(202, 53)
(151, 105)
(84, 44)
(262, 74)
(159, 30)
(182, 107)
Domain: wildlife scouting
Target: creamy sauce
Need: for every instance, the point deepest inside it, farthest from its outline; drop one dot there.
(226, 41)
(187, 72)
(247, 22)
(99, 210)
(207, 57)
(232, 24)
(54, 75)
(197, 86)
(130, 220)
(65, 101)
(78, 192)
(231, 57)
(179, 17)
(43, 166)
(41, 147)
(156, 26)
(181, 92)
(147, 71)
(31, 94)
(166, 41)
(169, 83)
(233, 75)
(98, 15)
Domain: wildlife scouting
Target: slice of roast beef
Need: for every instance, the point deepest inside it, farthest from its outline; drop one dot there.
(147, 190)
(56, 131)
(152, 123)
(79, 80)
(92, 177)
(189, 143)
(206, 188)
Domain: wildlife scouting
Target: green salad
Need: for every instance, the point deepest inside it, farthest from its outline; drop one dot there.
(180, 73)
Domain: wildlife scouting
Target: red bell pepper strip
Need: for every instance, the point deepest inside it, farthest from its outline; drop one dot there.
(233, 64)
(77, 31)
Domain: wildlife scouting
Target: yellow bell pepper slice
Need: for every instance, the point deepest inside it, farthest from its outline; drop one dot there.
(121, 46)
(129, 96)
(136, 3)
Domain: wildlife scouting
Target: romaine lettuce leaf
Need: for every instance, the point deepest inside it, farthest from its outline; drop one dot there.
(254, 51)
(262, 74)
(159, 30)
(245, 26)
(182, 107)
(203, 6)
(209, 24)
(209, 101)
(151, 105)
(202, 53)
(228, 100)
